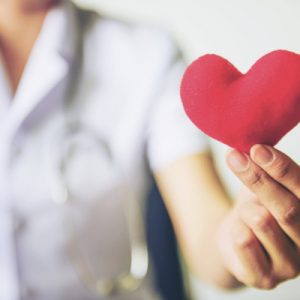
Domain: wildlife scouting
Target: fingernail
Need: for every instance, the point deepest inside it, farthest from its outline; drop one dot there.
(262, 155)
(238, 161)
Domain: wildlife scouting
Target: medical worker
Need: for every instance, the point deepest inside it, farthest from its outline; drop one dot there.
(89, 109)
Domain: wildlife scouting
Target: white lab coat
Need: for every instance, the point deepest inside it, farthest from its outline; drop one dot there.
(128, 94)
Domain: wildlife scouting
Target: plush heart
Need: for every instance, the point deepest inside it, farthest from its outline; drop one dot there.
(241, 110)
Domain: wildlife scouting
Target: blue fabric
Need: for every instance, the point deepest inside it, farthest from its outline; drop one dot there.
(163, 248)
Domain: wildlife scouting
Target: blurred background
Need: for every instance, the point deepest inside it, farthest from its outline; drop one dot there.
(240, 30)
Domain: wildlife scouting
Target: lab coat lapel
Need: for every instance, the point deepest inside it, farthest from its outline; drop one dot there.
(42, 76)
(48, 64)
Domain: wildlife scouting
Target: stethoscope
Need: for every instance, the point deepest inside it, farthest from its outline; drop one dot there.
(69, 140)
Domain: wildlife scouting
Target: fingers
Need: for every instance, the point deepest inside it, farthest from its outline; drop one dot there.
(243, 255)
(282, 204)
(273, 218)
(283, 254)
(255, 249)
(254, 267)
(279, 166)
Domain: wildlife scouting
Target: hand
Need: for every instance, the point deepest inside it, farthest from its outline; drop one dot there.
(260, 238)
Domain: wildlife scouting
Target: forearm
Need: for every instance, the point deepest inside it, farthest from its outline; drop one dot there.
(203, 257)
(197, 203)
(197, 237)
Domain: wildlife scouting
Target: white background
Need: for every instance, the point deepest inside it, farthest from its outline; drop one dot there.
(240, 30)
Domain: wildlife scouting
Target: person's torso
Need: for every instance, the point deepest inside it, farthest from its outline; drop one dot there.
(112, 103)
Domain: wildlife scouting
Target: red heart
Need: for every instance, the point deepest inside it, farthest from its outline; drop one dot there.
(241, 110)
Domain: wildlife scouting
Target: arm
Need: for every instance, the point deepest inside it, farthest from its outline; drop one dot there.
(197, 202)
(258, 240)
(268, 252)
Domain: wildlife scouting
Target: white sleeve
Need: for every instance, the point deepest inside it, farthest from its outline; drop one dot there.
(171, 134)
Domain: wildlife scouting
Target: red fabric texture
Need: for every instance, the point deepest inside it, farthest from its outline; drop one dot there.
(241, 110)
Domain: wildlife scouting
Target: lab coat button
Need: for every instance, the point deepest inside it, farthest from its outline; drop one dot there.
(19, 226)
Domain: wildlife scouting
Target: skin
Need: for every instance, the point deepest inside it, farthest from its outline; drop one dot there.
(262, 247)
(197, 204)
(254, 241)
(258, 238)
(20, 24)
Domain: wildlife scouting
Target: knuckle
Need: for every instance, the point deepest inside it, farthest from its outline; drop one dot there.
(246, 241)
(261, 282)
(263, 220)
(247, 278)
(267, 283)
(256, 179)
(282, 170)
(292, 271)
(291, 216)
(252, 282)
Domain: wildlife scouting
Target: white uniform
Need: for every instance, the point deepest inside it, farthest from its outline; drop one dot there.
(128, 93)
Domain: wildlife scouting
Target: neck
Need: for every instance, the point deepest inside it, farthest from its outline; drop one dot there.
(20, 25)
(15, 15)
